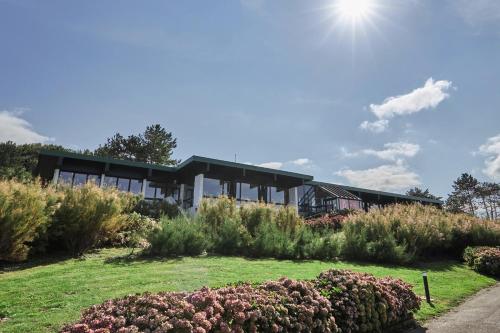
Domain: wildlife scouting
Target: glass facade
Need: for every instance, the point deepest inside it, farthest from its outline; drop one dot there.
(247, 192)
(276, 195)
(77, 179)
(159, 191)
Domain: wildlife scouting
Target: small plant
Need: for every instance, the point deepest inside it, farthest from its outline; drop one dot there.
(483, 259)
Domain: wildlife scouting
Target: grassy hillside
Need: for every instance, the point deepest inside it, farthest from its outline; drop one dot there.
(41, 297)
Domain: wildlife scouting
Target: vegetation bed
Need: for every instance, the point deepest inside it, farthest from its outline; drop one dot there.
(42, 297)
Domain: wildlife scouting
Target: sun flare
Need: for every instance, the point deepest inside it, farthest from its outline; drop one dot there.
(354, 11)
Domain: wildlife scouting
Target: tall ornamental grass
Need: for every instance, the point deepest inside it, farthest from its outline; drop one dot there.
(405, 233)
(25, 212)
(87, 216)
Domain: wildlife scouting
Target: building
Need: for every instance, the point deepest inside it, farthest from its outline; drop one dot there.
(200, 177)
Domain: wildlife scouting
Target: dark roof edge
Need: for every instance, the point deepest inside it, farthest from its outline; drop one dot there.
(397, 195)
(58, 153)
(215, 161)
(183, 164)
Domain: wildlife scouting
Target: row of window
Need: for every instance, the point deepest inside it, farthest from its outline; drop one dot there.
(244, 191)
(153, 190)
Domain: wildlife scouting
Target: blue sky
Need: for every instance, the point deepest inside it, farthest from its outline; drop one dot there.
(407, 95)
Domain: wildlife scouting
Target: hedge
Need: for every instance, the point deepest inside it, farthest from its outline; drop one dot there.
(337, 301)
(483, 259)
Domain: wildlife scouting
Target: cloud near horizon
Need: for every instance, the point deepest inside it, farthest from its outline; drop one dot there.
(491, 149)
(427, 97)
(387, 177)
(16, 129)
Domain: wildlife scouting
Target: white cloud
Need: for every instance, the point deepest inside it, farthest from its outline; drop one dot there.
(477, 12)
(301, 161)
(377, 126)
(393, 150)
(271, 165)
(16, 129)
(389, 177)
(427, 97)
(491, 149)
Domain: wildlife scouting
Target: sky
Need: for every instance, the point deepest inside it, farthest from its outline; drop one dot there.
(387, 95)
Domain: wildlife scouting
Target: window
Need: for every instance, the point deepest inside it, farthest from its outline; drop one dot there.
(123, 184)
(211, 187)
(65, 178)
(94, 179)
(109, 181)
(150, 190)
(276, 195)
(135, 186)
(248, 192)
(79, 179)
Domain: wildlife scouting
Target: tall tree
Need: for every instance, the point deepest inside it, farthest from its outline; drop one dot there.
(155, 145)
(418, 192)
(463, 197)
(19, 161)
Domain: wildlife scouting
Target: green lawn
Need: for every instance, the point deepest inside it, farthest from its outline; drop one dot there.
(43, 297)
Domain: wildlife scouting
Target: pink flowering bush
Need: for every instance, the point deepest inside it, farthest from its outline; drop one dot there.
(363, 303)
(483, 259)
(338, 301)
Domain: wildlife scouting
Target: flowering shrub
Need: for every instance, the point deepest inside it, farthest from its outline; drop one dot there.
(336, 301)
(483, 259)
(327, 221)
(400, 233)
(363, 303)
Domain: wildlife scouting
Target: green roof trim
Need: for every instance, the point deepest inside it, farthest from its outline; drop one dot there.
(106, 160)
(214, 161)
(388, 194)
(179, 167)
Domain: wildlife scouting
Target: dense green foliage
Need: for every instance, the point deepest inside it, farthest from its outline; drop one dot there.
(155, 145)
(178, 236)
(336, 301)
(35, 218)
(86, 216)
(25, 212)
(255, 230)
(19, 161)
(483, 259)
(405, 233)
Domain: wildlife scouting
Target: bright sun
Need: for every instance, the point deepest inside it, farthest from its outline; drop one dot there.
(354, 11)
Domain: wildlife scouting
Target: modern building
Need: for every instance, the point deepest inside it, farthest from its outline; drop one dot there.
(200, 177)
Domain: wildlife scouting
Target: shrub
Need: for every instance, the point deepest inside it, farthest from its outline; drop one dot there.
(178, 236)
(402, 233)
(253, 215)
(231, 238)
(326, 222)
(335, 301)
(363, 303)
(156, 208)
(483, 259)
(271, 241)
(213, 213)
(87, 216)
(280, 306)
(133, 231)
(25, 212)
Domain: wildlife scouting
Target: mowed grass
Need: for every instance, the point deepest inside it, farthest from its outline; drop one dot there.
(41, 298)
